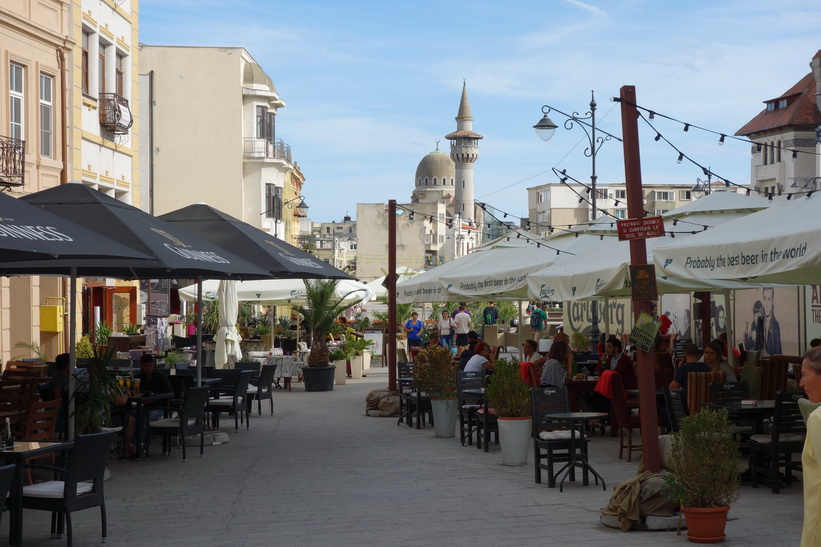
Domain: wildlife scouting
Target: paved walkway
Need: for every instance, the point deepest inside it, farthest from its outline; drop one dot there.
(320, 472)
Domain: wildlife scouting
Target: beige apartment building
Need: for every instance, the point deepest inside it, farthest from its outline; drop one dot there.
(35, 53)
(211, 136)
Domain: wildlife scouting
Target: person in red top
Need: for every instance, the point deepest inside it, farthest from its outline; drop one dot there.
(614, 359)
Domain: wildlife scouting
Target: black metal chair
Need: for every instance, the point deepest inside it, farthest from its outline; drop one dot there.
(729, 392)
(676, 405)
(770, 452)
(230, 397)
(551, 444)
(191, 420)
(262, 388)
(469, 403)
(412, 402)
(6, 478)
(486, 423)
(81, 488)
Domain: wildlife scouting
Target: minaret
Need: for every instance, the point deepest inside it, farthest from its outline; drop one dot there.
(464, 150)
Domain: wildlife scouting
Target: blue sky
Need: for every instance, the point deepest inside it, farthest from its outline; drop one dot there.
(370, 86)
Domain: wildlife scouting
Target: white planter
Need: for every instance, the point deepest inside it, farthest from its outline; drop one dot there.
(515, 438)
(366, 360)
(444, 417)
(340, 374)
(356, 367)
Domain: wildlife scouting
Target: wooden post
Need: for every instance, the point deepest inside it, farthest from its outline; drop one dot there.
(638, 255)
(391, 360)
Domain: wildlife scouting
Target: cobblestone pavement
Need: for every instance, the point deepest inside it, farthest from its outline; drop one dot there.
(319, 472)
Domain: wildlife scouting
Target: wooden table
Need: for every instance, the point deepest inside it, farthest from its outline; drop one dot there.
(756, 413)
(18, 455)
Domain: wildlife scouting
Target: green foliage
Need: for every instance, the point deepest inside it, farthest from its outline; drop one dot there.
(261, 329)
(506, 392)
(579, 342)
(83, 348)
(362, 322)
(210, 317)
(403, 313)
(507, 310)
(245, 314)
(703, 462)
(434, 372)
(131, 328)
(358, 345)
(337, 355)
(102, 332)
(94, 394)
(320, 312)
(33, 349)
(173, 357)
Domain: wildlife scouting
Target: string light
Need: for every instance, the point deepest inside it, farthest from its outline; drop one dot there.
(686, 127)
(680, 157)
(721, 140)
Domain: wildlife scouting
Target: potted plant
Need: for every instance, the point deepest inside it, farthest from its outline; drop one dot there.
(339, 358)
(434, 373)
(704, 476)
(580, 344)
(135, 339)
(102, 332)
(320, 312)
(509, 397)
(285, 336)
(34, 349)
(94, 394)
(359, 357)
(172, 358)
(84, 349)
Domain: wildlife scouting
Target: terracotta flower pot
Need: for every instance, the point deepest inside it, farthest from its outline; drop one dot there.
(706, 524)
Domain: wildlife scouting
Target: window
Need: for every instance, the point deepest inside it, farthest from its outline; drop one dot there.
(620, 194)
(770, 107)
(273, 202)
(85, 62)
(101, 70)
(441, 217)
(46, 120)
(16, 106)
(265, 123)
(659, 212)
(119, 75)
(434, 181)
(620, 213)
(664, 195)
(778, 149)
(441, 239)
(782, 103)
(684, 195)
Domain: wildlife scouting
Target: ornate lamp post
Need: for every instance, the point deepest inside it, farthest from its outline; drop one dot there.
(545, 129)
(301, 210)
(701, 188)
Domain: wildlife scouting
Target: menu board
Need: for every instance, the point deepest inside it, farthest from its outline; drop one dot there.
(377, 336)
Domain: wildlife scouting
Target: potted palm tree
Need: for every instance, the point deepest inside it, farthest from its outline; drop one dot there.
(359, 355)
(434, 373)
(320, 311)
(509, 397)
(339, 358)
(704, 474)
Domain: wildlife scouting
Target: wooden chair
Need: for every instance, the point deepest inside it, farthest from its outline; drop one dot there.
(775, 376)
(625, 420)
(770, 452)
(698, 388)
(40, 425)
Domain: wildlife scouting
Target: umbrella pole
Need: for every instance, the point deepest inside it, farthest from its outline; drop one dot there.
(72, 350)
(200, 349)
(729, 317)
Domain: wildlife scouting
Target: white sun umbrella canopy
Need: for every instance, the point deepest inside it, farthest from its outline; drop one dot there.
(778, 245)
(279, 292)
(227, 336)
(404, 274)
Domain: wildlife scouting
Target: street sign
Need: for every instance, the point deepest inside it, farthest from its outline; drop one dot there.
(643, 281)
(645, 332)
(640, 228)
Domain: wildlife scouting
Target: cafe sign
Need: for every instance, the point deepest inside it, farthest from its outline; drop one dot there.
(645, 331)
(640, 228)
(643, 282)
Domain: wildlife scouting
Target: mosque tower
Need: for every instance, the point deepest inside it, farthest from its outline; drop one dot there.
(464, 151)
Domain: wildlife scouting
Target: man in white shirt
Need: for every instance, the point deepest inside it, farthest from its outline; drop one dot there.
(462, 320)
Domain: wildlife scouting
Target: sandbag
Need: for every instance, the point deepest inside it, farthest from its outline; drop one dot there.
(382, 403)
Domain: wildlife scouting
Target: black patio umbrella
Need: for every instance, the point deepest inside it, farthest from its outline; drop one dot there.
(29, 233)
(279, 258)
(175, 252)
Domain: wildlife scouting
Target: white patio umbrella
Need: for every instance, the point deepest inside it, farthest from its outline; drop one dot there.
(404, 273)
(278, 292)
(227, 336)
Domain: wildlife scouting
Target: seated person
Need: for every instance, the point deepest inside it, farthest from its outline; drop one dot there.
(483, 359)
(723, 339)
(615, 359)
(532, 363)
(152, 382)
(554, 373)
(714, 356)
(58, 390)
(464, 357)
(692, 363)
(433, 340)
(561, 336)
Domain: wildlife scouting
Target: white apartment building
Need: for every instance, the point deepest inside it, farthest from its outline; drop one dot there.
(211, 137)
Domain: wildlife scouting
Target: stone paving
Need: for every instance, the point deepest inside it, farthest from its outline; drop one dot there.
(320, 472)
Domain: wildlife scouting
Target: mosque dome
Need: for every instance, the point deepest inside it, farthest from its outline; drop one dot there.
(436, 169)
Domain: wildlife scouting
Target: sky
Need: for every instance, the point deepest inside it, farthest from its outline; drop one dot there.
(370, 86)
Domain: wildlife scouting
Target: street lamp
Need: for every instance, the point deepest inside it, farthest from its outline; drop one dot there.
(702, 187)
(545, 129)
(301, 210)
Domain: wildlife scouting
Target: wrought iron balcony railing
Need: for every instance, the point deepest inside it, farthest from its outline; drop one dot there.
(115, 114)
(257, 147)
(12, 161)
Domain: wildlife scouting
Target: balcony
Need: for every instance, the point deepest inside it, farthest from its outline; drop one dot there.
(115, 115)
(12, 161)
(259, 148)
